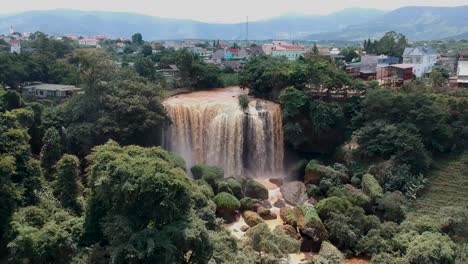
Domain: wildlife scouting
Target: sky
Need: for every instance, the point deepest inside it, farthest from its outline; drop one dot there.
(226, 11)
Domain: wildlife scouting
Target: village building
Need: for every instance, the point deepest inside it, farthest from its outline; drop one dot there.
(88, 42)
(422, 59)
(15, 46)
(462, 73)
(50, 91)
(171, 73)
(283, 49)
(397, 75)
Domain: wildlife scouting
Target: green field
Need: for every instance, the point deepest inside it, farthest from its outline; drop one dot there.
(447, 186)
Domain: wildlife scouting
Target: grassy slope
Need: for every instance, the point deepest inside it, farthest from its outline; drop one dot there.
(447, 186)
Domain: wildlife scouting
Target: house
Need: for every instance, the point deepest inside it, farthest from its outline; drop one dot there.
(171, 73)
(422, 59)
(15, 46)
(233, 65)
(217, 56)
(46, 90)
(324, 51)
(283, 49)
(463, 55)
(235, 54)
(254, 51)
(88, 42)
(448, 63)
(202, 53)
(462, 74)
(397, 74)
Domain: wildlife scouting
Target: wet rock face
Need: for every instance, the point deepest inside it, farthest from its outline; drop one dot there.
(294, 192)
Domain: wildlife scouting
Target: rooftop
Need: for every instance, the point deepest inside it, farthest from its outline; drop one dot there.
(52, 87)
(402, 66)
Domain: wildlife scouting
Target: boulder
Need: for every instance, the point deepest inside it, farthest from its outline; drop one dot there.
(252, 218)
(294, 192)
(244, 228)
(265, 203)
(289, 230)
(256, 190)
(306, 245)
(280, 203)
(371, 187)
(265, 213)
(312, 227)
(331, 253)
(276, 181)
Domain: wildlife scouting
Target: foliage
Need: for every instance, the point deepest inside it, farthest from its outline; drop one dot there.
(255, 190)
(67, 187)
(44, 234)
(51, 150)
(391, 44)
(243, 101)
(226, 201)
(371, 187)
(331, 205)
(431, 248)
(328, 254)
(269, 244)
(146, 206)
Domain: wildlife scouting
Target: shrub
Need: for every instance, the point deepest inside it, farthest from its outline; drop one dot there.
(355, 196)
(371, 187)
(248, 203)
(235, 187)
(328, 254)
(254, 189)
(223, 186)
(331, 205)
(243, 101)
(430, 248)
(387, 258)
(390, 206)
(225, 200)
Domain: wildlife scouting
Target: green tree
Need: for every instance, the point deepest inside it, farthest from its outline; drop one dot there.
(51, 150)
(137, 39)
(145, 67)
(145, 206)
(431, 248)
(243, 101)
(269, 245)
(146, 50)
(67, 186)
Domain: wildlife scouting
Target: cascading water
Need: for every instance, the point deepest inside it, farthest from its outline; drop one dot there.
(210, 127)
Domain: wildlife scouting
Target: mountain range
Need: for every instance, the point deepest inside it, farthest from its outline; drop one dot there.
(418, 23)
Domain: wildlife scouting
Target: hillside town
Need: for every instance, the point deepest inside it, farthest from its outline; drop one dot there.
(416, 62)
(321, 138)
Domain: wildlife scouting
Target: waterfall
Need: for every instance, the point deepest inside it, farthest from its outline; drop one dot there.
(210, 127)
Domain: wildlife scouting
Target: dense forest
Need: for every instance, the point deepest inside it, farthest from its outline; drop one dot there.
(85, 180)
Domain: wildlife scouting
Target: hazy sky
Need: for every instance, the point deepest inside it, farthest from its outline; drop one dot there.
(219, 10)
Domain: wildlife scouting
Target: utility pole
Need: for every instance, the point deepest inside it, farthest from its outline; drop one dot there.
(247, 31)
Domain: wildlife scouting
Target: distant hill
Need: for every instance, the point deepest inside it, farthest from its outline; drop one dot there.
(417, 23)
(64, 22)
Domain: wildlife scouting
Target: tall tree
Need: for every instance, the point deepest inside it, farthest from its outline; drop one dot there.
(137, 39)
(51, 150)
(67, 186)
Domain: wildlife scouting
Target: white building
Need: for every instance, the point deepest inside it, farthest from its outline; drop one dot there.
(15, 46)
(283, 49)
(89, 42)
(423, 59)
(462, 74)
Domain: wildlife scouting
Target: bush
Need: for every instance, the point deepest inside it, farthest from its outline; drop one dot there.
(226, 201)
(331, 205)
(355, 196)
(243, 101)
(235, 187)
(371, 187)
(248, 203)
(328, 254)
(223, 186)
(430, 248)
(254, 189)
(387, 258)
(391, 206)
